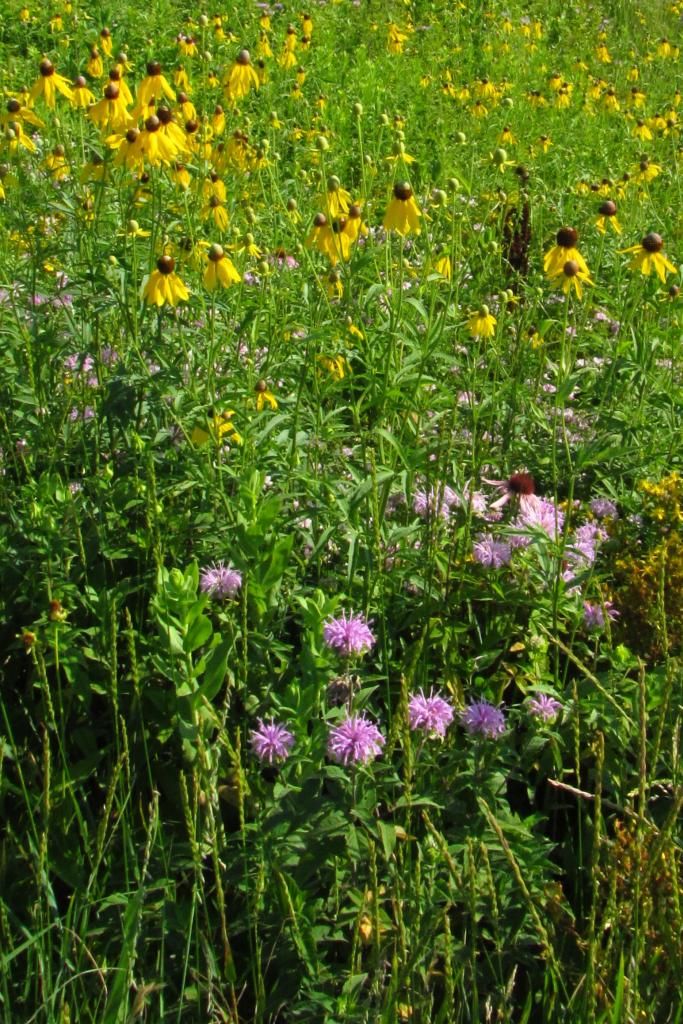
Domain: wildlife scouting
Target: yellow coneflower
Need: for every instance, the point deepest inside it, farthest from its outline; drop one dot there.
(172, 132)
(16, 111)
(155, 147)
(646, 171)
(602, 54)
(116, 76)
(610, 101)
(110, 113)
(181, 80)
(482, 323)
(95, 67)
(264, 397)
(48, 84)
(55, 163)
(396, 38)
(187, 46)
(220, 271)
(572, 276)
(264, 48)
(555, 81)
(641, 131)
(152, 87)
(608, 215)
(322, 238)
(93, 170)
(220, 428)
(443, 266)
(402, 214)
(15, 136)
(563, 251)
(106, 41)
(354, 223)
(215, 210)
(307, 25)
(545, 142)
(333, 285)
(648, 256)
(636, 98)
(187, 107)
(128, 149)
(218, 120)
(241, 78)
(181, 176)
(337, 199)
(288, 55)
(164, 286)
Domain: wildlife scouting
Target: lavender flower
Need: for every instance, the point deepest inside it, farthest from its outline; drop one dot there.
(483, 719)
(348, 635)
(271, 741)
(604, 508)
(544, 707)
(490, 552)
(432, 714)
(220, 580)
(356, 740)
(594, 614)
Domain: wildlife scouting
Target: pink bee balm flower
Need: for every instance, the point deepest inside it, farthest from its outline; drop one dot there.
(356, 740)
(348, 634)
(432, 714)
(220, 580)
(483, 719)
(271, 742)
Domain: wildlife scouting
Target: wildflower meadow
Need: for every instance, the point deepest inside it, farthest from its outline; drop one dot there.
(341, 472)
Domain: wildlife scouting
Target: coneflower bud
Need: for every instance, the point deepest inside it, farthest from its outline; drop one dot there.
(320, 220)
(153, 68)
(570, 269)
(165, 264)
(122, 58)
(402, 191)
(333, 183)
(608, 208)
(94, 52)
(47, 68)
(674, 291)
(183, 97)
(292, 205)
(243, 58)
(13, 106)
(215, 253)
(59, 151)
(191, 127)
(152, 124)
(111, 92)
(132, 135)
(260, 387)
(354, 212)
(214, 202)
(567, 237)
(80, 82)
(653, 242)
(339, 225)
(114, 75)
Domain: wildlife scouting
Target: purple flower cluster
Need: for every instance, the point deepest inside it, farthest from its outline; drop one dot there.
(356, 740)
(271, 741)
(490, 552)
(483, 719)
(594, 614)
(435, 501)
(543, 515)
(220, 580)
(431, 715)
(348, 634)
(544, 707)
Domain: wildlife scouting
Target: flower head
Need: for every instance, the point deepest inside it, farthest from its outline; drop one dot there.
(164, 285)
(594, 614)
(564, 250)
(490, 552)
(348, 634)
(402, 213)
(482, 323)
(544, 707)
(356, 740)
(648, 256)
(432, 715)
(220, 270)
(519, 485)
(483, 719)
(220, 580)
(271, 742)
